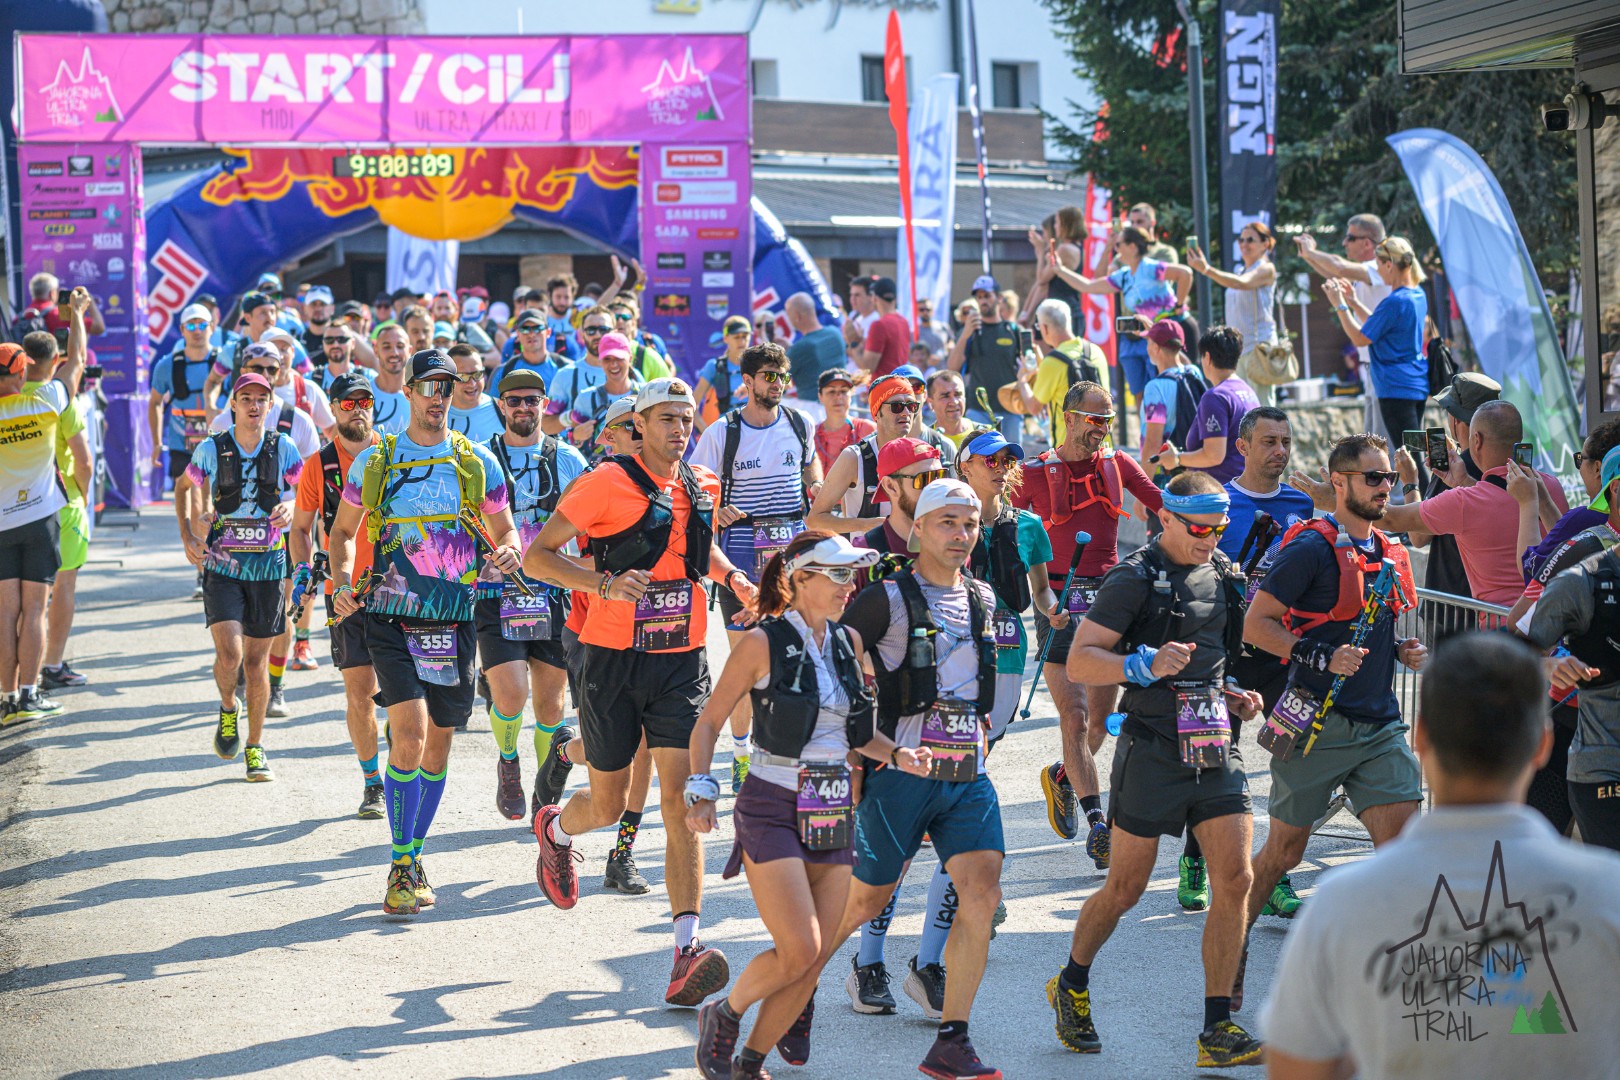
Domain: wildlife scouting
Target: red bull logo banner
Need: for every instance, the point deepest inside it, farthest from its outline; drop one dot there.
(381, 90)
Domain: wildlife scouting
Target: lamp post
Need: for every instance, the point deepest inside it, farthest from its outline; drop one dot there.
(1200, 164)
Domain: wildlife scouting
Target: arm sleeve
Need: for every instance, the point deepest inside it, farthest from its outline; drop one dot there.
(1138, 484)
(868, 615)
(1119, 600)
(1298, 1018)
(1565, 607)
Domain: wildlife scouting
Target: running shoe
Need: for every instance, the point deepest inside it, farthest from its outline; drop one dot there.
(716, 1042)
(278, 702)
(1193, 891)
(739, 773)
(424, 891)
(8, 712)
(197, 591)
(749, 1070)
(227, 739)
(698, 972)
(794, 1045)
(1073, 1007)
(1060, 802)
(1237, 983)
(371, 802)
(926, 986)
(552, 778)
(60, 677)
(303, 659)
(509, 788)
(35, 704)
(258, 766)
(1098, 845)
(554, 868)
(622, 874)
(998, 918)
(400, 899)
(868, 988)
(954, 1059)
(1227, 1044)
(1284, 902)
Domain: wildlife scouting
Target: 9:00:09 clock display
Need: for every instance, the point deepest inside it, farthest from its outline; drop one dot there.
(389, 166)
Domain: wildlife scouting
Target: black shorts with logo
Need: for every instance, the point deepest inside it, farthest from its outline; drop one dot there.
(625, 694)
(495, 650)
(257, 605)
(31, 552)
(348, 637)
(1152, 794)
(397, 681)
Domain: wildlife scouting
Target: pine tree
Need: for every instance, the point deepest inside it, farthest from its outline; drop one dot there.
(1521, 1023)
(1552, 1020)
(1340, 94)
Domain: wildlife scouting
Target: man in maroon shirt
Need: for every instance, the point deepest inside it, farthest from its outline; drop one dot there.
(1080, 487)
(888, 341)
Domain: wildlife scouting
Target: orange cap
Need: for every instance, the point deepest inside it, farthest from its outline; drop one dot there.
(13, 361)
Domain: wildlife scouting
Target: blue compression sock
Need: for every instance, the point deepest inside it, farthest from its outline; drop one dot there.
(403, 792)
(876, 932)
(432, 792)
(940, 912)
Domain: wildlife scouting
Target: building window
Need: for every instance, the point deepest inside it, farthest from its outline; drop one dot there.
(872, 79)
(764, 79)
(1014, 85)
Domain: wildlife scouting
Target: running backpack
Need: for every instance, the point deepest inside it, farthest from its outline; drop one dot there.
(374, 481)
(1190, 389)
(229, 480)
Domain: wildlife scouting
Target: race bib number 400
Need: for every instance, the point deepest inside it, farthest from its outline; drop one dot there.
(433, 652)
(825, 811)
(951, 732)
(663, 618)
(1203, 728)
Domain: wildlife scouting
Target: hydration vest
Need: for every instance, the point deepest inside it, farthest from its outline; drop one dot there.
(1060, 486)
(644, 543)
(547, 500)
(374, 482)
(229, 481)
(331, 484)
(1353, 570)
(177, 370)
(1157, 618)
(999, 564)
(1190, 387)
(733, 421)
(785, 711)
(869, 475)
(913, 686)
(1599, 645)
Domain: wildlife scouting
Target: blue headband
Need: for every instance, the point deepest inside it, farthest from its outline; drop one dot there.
(1207, 502)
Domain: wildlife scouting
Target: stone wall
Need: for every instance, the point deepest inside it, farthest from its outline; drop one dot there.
(265, 16)
(1317, 425)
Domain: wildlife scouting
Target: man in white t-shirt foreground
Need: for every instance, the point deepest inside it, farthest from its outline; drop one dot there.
(1359, 266)
(1481, 943)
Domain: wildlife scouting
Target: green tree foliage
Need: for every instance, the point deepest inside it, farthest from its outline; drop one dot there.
(1340, 94)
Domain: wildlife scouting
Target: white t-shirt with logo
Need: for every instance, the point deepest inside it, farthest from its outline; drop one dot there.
(1480, 943)
(28, 488)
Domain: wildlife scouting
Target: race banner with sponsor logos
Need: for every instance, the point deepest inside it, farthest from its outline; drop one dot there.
(1248, 164)
(83, 222)
(381, 90)
(696, 243)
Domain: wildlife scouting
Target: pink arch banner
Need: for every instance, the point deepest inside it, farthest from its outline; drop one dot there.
(183, 89)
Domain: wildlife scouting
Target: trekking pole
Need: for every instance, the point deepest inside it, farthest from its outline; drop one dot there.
(1358, 633)
(1261, 525)
(476, 527)
(1081, 539)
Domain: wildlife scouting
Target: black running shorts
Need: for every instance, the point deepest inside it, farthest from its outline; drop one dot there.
(31, 552)
(495, 650)
(397, 681)
(257, 605)
(1151, 793)
(348, 638)
(626, 694)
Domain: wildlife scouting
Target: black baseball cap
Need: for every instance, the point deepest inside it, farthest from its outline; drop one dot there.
(528, 319)
(382, 299)
(352, 384)
(430, 363)
(884, 288)
(347, 308)
(254, 300)
(833, 375)
(406, 294)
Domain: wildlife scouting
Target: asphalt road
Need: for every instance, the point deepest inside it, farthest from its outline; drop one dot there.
(161, 917)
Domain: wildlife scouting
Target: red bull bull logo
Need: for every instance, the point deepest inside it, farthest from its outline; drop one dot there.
(443, 194)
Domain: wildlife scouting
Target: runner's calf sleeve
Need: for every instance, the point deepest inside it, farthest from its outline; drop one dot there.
(428, 806)
(505, 729)
(940, 913)
(874, 933)
(402, 791)
(542, 739)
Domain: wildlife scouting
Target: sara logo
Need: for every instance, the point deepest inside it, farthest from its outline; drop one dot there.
(473, 201)
(60, 229)
(76, 98)
(677, 96)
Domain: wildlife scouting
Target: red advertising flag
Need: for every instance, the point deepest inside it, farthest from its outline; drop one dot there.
(894, 87)
(1097, 309)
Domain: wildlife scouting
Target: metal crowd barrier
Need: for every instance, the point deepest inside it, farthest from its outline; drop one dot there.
(1439, 616)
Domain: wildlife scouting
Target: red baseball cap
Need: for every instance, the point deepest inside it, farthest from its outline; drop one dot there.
(1167, 332)
(250, 378)
(899, 453)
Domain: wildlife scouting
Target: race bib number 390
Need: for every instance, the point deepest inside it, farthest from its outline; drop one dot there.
(663, 619)
(244, 535)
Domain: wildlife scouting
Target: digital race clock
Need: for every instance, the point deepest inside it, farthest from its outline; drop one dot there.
(392, 164)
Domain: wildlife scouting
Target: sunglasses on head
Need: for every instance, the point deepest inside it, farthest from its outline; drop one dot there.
(838, 575)
(350, 404)
(623, 425)
(194, 326)
(1374, 477)
(1198, 531)
(901, 408)
(434, 388)
(781, 377)
(923, 479)
(523, 401)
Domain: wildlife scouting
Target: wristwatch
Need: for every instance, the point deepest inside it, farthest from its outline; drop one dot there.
(733, 573)
(1407, 489)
